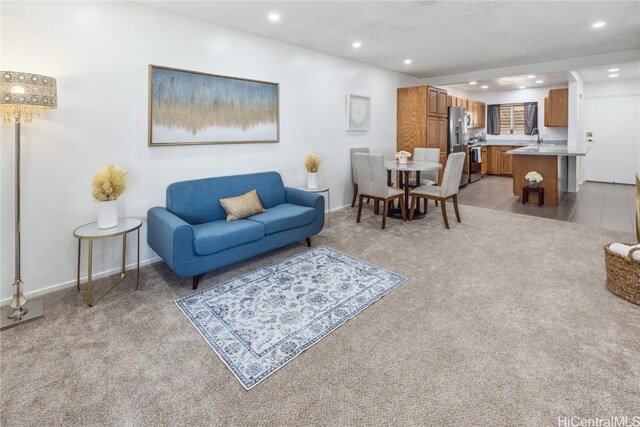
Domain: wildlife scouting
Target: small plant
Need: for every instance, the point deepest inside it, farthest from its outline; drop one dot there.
(109, 183)
(312, 162)
(533, 176)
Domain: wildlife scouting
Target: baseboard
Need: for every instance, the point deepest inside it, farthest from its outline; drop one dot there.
(72, 283)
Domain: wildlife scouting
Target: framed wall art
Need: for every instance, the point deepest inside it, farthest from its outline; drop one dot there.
(191, 108)
(358, 112)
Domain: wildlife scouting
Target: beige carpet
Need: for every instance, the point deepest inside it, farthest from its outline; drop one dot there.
(505, 320)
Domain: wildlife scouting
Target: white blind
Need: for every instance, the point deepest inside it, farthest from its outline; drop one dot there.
(512, 119)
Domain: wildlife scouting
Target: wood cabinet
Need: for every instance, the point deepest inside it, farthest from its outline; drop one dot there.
(478, 114)
(506, 161)
(498, 161)
(422, 119)
(546, 111)
(483, 168)
(557, 108)
(493, 160)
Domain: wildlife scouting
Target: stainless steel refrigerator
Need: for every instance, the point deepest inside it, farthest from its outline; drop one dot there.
(458, 137)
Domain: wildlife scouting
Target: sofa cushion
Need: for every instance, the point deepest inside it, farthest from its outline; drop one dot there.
(219, 235)
(198, 201)
(284, 217)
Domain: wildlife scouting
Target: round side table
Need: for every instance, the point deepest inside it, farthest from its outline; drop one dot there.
(321, 189)
(91, 232)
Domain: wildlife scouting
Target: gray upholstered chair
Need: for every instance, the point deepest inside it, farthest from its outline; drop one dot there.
(429, 177)
(371, 176)
(352, 152)
(447, 189)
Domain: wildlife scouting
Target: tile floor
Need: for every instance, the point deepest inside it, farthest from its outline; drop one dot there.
(603, 205)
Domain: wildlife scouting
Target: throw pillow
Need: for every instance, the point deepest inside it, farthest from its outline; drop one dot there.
(242, 206)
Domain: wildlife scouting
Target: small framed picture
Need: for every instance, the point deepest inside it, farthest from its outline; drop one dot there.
(358, 112)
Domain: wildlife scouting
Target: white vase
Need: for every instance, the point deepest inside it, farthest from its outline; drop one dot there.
(402, 161)
(108, 214)
(312, 180)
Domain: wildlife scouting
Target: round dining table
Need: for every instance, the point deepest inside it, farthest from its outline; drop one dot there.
(405, 169)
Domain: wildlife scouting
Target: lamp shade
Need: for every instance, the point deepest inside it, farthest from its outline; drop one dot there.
(23, 95)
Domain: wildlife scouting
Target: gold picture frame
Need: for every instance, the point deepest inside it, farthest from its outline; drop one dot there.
(189, 107)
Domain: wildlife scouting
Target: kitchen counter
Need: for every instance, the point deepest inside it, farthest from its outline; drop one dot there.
(517, 142)
(548, 150)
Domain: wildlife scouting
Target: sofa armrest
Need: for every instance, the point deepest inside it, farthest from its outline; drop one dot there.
(304, 198)
(168, 235)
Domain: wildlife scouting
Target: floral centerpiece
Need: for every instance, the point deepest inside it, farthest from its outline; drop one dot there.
(312, 162)
(107, 185)
(534, 178)
(402, 156)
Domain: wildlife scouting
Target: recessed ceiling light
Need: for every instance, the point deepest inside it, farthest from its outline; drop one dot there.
(274, 17)
(531, 76)
(357, 45)
(539, 81)
(522, 87)
(613, 75)
(613, 70)
(407, 61)
(484, 86)
(598, 24)
(473, 83)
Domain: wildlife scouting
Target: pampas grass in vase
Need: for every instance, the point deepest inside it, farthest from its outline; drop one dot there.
(312, 162)
(107, 185)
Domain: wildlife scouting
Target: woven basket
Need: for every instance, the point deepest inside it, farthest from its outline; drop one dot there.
(623, 274)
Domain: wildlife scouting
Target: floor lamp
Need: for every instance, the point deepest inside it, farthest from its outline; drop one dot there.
(22, 96)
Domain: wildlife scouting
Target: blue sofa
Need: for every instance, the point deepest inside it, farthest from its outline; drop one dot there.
(193, 237)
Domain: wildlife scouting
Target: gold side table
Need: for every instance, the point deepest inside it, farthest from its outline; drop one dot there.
(321, 189)
(91, 232)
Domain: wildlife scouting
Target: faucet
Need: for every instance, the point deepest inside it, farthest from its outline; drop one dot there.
(539, 140)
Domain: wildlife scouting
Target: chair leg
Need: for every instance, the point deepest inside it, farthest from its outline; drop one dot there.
(359, 208)
(413, 206)
(444, 214)
(426, 206)
(385, 211)
(355, 195)
(402, 209)
(376, 206)
(455, 207)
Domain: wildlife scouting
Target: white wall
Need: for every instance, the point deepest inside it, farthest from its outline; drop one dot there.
(99, 53)
(518, 96)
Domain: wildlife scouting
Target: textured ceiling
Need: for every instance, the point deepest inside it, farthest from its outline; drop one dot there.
(514, 82)
(440, 37)
(630, 70)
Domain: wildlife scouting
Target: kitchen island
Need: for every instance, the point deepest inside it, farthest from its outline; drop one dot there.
(552, 162)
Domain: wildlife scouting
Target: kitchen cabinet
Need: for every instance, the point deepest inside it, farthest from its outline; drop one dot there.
(506, 161)
(546, 111)
(454, 101)
(478, 114)
(493, 160)
(422, 118)
(558, 106)
(483, 168)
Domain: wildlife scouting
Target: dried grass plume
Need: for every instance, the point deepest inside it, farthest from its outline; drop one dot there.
(109, 183)
(312, 162)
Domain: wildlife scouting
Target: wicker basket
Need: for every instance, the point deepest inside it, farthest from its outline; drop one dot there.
(623, 274)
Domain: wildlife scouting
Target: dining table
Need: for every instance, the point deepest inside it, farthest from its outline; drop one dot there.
(405, 169)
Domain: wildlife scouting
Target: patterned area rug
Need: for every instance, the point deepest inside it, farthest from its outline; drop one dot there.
(259, 322)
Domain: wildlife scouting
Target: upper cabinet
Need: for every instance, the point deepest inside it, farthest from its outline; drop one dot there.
(556, 112)
(478, 114)
(436, 102)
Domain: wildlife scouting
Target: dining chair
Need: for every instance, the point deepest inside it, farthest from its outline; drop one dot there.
(371, 176)
(352, 152)
(446, 190)
(429, 177)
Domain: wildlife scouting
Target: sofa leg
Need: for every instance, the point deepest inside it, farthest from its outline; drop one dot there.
(195, 281)
(309, 241)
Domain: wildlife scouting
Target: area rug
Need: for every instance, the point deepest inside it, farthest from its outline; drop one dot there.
(259, 322)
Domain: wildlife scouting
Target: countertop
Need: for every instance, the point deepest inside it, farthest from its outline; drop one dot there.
(548, 150)
(518, 142)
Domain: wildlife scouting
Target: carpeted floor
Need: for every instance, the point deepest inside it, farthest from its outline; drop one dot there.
(505, 320)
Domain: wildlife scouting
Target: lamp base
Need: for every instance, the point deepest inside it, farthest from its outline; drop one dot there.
(34, 309)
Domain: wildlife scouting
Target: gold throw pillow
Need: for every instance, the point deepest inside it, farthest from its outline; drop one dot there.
(242, 206)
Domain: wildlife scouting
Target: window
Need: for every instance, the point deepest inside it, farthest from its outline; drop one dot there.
(512, 119)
